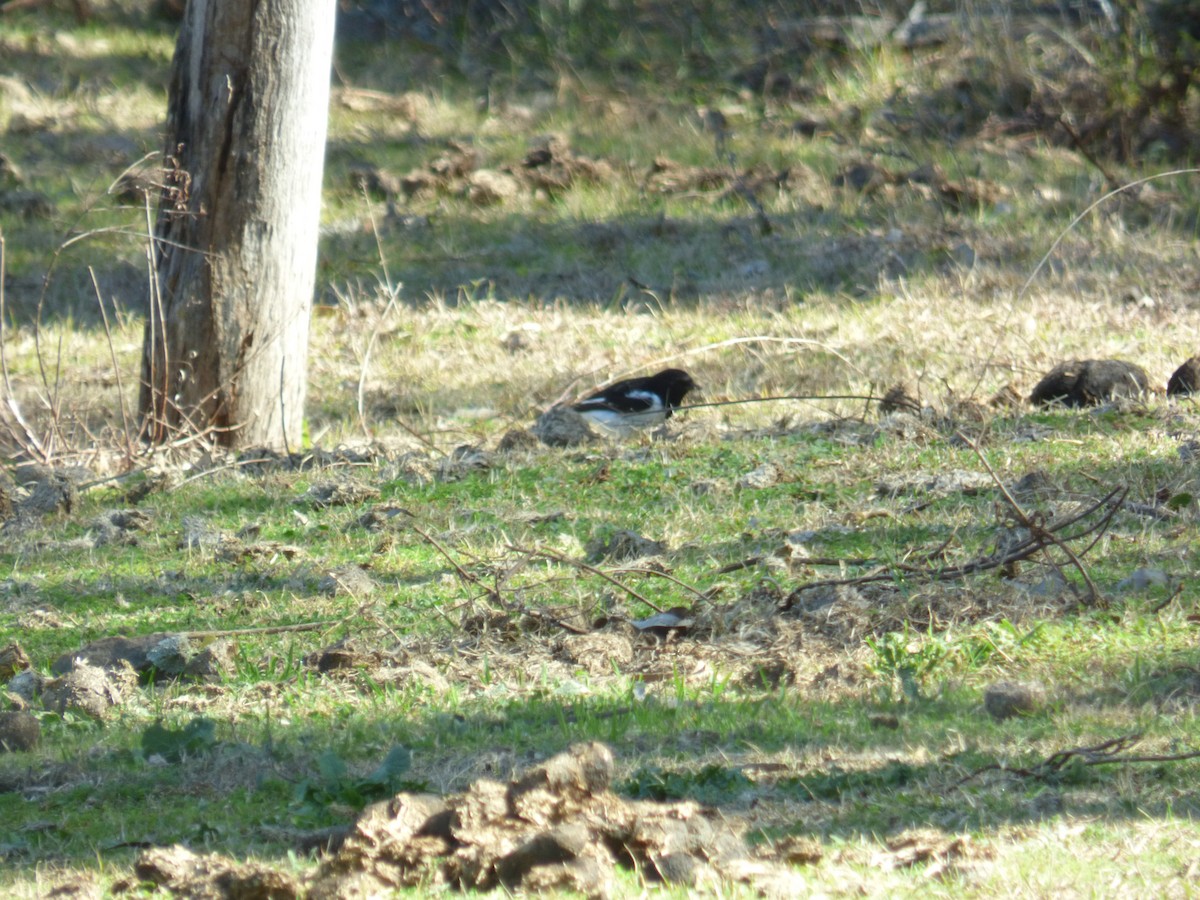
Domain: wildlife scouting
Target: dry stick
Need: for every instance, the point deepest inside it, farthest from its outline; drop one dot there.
(1110, 181)
(870, 398)
(287, 447)
(1103, 754)
(266, 629)
(156, 316)
(31, 442)
(683, 584)
(1023, 550)
(393, 292)
(591, 570)
(718, 345)
(494, 593)
(1028, 522)
(112, 352)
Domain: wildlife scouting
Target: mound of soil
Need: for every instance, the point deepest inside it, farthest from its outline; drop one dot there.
(1090, 382)
(1185, 380)
(556, 826)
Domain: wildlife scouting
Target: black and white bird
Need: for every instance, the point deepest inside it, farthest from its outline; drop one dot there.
(637, 402)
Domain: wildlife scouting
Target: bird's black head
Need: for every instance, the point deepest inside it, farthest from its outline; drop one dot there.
(674, 385)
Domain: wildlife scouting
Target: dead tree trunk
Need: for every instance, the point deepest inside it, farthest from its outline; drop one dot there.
(225, 350)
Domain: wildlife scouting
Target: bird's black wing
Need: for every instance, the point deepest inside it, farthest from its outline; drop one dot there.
(623, 401)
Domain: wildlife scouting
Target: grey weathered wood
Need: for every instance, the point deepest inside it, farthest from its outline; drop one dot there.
(226, 340)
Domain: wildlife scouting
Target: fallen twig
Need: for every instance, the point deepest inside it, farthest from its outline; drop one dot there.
(591, 570)
(1106, 753)
(1035, 523)
(1035, 543)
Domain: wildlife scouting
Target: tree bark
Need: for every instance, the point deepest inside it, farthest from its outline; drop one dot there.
(225, 351)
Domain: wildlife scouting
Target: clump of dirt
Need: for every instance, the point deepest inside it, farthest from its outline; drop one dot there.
(186, 874)
(561, 426)
(19, 730)
(899, 397)
(558, 826)
(89, 690)
(339, 493)
(623, 545)
(1186, 379)
(13, 659)
(1006, 699)
(1090, 382)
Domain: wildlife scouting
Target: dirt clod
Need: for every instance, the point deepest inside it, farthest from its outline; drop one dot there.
(899, 397)
(1006, 699)
(561, 426)
(89, 690)
(113, 652)
(187, 874)
(557, 826)
(623, 545)
(1090, 382)
(347, 581)
(1185, 380)
(13, 660)
(19, 731)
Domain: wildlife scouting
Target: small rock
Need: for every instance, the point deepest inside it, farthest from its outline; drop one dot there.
(1143, 578)
(1006, 699)
(27, 685)
(765, 476)
(347, 581)
(624, 545)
